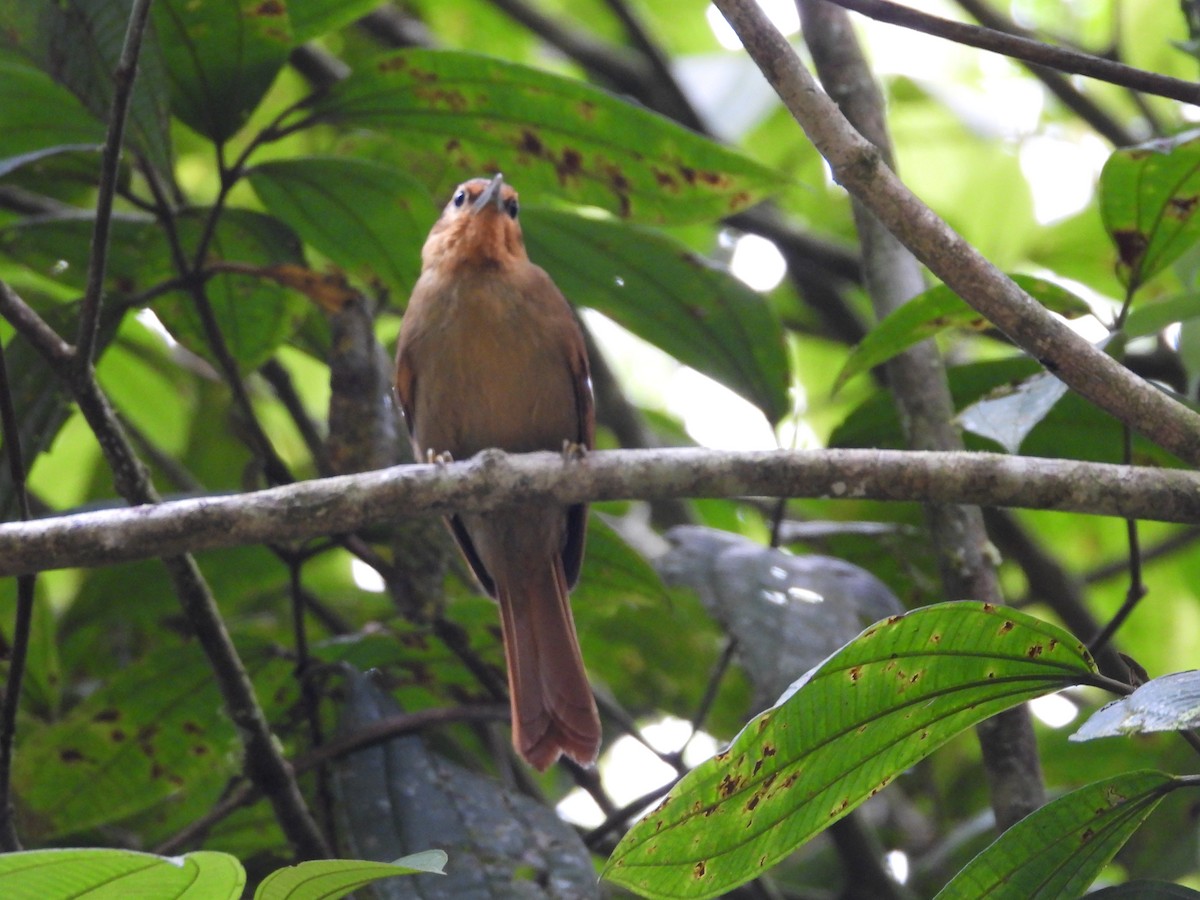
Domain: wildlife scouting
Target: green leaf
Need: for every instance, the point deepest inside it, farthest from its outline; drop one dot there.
(460, 115)
(1059, 850)
(78, 45)
(887, 699)
(138, 739)
(664, 293)
(936, 310)
(119, 874)
(1153, 317)
(366, 217)
(313, 18)
(255, 315)
(221, 57)
(328, 879)
(1148, 199)
(36, 113)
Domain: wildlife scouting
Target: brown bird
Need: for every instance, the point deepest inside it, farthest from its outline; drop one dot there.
(490, 355)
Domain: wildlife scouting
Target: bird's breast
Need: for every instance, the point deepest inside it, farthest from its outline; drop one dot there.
(491, 371)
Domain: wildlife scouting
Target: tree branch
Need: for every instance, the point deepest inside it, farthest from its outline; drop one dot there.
(922, 394)
(857, 165)
(494, 479)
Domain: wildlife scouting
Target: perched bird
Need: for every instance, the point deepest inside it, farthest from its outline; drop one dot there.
(490, 355)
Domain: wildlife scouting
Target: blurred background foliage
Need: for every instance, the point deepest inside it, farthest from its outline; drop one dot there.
(717, 274)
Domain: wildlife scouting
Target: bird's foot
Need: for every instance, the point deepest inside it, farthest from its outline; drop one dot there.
(573, 451)
(441, 459)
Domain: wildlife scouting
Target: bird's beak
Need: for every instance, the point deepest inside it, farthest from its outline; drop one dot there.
(490, 195)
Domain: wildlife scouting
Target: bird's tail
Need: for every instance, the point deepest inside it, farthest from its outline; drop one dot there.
(553, 710)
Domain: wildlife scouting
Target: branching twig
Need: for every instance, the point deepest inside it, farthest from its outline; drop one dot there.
(243, 793)
(264, 761)
(124, 78)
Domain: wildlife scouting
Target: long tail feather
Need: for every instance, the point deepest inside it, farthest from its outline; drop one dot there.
(553, 710)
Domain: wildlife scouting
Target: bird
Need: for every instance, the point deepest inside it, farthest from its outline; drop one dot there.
(490, 355)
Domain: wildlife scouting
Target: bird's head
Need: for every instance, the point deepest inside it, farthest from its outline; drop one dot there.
(478, 227)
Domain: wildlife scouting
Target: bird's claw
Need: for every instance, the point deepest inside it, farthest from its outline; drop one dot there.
(440, 459)
(573, 451)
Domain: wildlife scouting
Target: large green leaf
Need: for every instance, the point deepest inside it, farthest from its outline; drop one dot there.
(1148, 200)
(99, 874)
(938, 309)
(1059, 850)
(135, 741)
(221, 56)
(36, 113)
(459, 115)
(78, 43)
(313, 18)
(664, 293)
(887, 699)
(366, 217)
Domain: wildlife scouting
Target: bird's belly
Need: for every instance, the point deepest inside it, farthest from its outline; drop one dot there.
(498, 387)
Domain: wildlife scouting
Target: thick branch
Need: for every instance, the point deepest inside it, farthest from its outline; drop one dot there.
(493, 479)
(922, 393)
(857, 166)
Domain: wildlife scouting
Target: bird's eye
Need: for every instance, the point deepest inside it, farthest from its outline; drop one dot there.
(460, 198)
(512, 208)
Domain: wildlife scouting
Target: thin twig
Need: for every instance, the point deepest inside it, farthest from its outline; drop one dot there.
(1181, 540)
(1024, 48)
(18, 647)
(124, 78)
(263, 758)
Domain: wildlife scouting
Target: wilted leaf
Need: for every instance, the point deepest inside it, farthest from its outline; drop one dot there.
(786, 612)
(938, 309)
(884, 701)
(221, 56)
(664, 293)
(1148, 199)
(1058, 850)
(465, 115)
(1169, 703)
(1008, 418)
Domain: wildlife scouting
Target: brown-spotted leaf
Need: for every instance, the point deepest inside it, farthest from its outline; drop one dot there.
(884, 701)
(460, 115)
(1149, 195)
